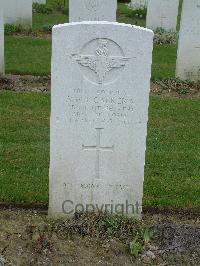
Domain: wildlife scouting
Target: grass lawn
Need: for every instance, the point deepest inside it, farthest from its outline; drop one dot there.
(29, 55)
(24, 148)
(173, 153)
(26, 55)
(164, 61)
(41, 20)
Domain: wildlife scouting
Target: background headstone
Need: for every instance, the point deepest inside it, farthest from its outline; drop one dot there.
(100, 95)
(188, 56)
(162, 14)
(139, 4)
(89, 10)
(1, 43)
(17, 12)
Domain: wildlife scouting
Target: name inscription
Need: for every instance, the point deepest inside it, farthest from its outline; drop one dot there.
(107, 107)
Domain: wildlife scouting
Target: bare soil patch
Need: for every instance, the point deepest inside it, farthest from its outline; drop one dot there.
(165, 88)
(30, 238)
(25, 83)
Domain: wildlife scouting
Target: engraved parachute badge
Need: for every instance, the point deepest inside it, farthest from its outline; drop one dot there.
(101, 62)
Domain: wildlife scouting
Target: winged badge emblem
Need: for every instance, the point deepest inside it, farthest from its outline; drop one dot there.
(92, 5)
(101, 62)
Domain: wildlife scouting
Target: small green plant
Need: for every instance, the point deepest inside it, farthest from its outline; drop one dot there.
(137, 13)
(10, 29)
(47, 28)
(60, 6)
(147, 235)
(135, 247)
(109, 223)
(184, 90)
(143, 238)
(41, 8)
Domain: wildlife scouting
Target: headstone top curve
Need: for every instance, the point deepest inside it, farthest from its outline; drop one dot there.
(95, 23)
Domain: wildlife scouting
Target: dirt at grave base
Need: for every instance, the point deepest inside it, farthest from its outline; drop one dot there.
(165, 88)
(30, 238)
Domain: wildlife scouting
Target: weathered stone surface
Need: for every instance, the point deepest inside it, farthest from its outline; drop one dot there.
(17, 12)
(162, 14)
(139, 4)
(188, 57)
(1, 43)
(92, 10)
(100, 95)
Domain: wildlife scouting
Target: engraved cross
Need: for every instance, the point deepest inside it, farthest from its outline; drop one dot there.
(98, 148)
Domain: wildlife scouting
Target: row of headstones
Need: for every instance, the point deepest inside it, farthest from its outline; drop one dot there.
(99, 109)
(164, 14)
(100, 95)
(160, 14)
(14, 12)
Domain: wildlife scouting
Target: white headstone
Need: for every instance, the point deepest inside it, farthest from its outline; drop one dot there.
(100, 95)
(92, 10)
(1, 43)
(139, 4)
(188, 57)
(17, 12)
(162, 14)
